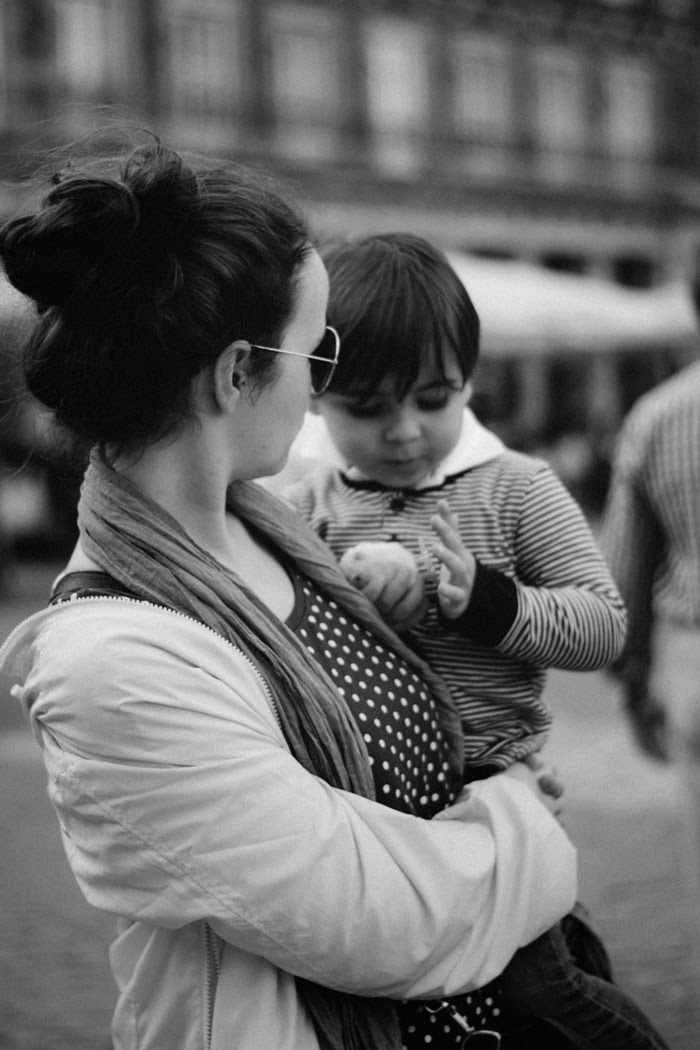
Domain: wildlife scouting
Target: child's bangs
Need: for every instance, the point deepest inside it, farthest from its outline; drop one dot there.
(395, 337)
(423, 340)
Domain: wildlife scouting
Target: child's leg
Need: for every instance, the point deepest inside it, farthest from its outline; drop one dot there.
(587, 949)
(544, 980)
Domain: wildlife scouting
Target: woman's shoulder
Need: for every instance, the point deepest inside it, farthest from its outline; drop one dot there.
(96, 622)
(127, 651)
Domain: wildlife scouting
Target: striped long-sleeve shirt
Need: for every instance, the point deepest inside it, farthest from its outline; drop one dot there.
(543, 596)
(651, 532)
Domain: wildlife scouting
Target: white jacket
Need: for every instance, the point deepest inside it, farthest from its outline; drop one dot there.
(183, 813)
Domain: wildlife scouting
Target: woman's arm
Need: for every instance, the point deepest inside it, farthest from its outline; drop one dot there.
(179, 801)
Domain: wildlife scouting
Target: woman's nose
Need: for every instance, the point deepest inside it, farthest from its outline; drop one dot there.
(403, 426)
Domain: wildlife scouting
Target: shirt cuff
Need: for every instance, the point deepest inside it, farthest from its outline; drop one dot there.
(492, 608)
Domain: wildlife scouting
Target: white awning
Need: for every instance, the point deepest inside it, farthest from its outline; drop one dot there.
(528, 308)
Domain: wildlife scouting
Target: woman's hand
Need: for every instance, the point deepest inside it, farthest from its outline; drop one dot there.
(542, 778)
(539, 776)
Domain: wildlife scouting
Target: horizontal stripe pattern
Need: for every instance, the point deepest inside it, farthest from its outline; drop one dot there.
(517, 518)
(651, 527)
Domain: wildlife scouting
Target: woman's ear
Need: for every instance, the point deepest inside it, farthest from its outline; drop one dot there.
(467, 392)
(230, 374)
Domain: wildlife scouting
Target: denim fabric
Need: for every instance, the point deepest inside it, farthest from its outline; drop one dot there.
(547, 979)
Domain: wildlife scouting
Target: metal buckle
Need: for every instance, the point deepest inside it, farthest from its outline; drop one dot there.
(475, 1038)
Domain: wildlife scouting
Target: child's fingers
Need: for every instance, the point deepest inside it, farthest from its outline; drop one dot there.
(448, 536)
(446, 513)
(453, 600)
(372, 588)
(451, 594)
(454, 564)
(398, 586)
(410, 608)
(425, 559)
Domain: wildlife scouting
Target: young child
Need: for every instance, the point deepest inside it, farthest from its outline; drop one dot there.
(520, 585)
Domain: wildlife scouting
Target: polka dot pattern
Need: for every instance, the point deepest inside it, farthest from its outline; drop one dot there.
(435, 1025)
(394, 710)
(408, 755)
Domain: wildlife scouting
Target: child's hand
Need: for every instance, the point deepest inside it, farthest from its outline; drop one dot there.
(457, 564)
(387, 574)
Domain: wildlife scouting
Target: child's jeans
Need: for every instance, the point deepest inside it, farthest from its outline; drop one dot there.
(564, 976)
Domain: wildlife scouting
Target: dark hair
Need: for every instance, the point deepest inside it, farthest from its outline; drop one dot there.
(143, 270)
(396, 303)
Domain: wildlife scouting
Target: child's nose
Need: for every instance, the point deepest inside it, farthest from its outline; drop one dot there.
(403, 425)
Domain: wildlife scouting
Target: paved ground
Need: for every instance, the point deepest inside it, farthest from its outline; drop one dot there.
(55, 989)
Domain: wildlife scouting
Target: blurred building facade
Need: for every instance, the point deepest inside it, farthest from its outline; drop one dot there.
(558, 132)
(562, 131)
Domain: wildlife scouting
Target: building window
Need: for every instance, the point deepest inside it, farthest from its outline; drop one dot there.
(629, 108)
(561, 100)
(205, 63)
(482, 87)
(398, 91)
(92, 46)
(634, 271)
(564, 262)
(306, 79)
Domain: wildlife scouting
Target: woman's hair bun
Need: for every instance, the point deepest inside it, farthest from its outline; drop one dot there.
(167, 193)
(144, 266)
(91, 226)
(52, 254)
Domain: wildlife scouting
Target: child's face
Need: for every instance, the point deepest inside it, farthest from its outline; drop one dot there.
(399, 443)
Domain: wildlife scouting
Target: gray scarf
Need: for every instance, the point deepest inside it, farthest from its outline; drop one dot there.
(138, 543)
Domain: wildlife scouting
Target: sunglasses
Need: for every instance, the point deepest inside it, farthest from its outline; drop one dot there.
(322, 360)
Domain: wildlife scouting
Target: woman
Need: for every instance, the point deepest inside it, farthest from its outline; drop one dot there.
(215, 705)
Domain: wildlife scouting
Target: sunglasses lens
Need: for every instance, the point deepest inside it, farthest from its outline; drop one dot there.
(323, 361)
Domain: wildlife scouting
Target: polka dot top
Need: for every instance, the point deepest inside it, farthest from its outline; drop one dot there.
(408, 755)
(392, 706)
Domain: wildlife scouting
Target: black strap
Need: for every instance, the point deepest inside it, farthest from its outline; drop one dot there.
(89, 584)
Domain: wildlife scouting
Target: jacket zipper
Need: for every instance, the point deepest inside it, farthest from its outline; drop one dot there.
(212, 943)
(173, 612)
(213, 947)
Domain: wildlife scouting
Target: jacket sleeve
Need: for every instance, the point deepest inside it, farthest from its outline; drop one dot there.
(569, 613)
(179, 801)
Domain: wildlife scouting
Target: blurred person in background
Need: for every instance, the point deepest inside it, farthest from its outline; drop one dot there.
(651, 537)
